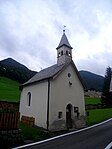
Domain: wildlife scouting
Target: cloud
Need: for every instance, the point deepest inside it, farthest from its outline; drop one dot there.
(31, 30)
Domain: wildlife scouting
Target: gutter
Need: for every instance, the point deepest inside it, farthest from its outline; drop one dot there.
(48, 104)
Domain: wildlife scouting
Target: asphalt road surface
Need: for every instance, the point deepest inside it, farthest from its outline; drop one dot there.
(94, 138)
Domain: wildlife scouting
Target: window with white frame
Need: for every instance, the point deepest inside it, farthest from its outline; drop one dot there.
(29, 99)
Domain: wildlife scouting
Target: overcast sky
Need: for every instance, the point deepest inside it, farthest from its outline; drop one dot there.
(30, 31)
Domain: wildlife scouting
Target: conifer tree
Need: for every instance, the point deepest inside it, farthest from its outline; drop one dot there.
(106, 97)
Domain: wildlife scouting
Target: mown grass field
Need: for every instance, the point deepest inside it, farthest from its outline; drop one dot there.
(91, 100)
(98, 115)
(9, 90)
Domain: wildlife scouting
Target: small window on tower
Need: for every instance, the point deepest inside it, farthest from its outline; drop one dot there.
(69, 54)
(66, 52)
(61, 52)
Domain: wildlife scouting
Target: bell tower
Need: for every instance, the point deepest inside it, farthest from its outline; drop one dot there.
(64, 50)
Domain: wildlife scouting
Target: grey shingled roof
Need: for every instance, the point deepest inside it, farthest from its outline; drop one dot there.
(51, 72)
(64, 41)
(45, 74)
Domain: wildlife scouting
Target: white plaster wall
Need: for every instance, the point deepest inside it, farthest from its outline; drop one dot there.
(38, 108)
(62, 94)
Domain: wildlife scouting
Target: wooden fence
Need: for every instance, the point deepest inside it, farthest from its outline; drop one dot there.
(9, 120)
(9, 115)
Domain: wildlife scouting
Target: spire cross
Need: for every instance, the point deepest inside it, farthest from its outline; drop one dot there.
(64, 28)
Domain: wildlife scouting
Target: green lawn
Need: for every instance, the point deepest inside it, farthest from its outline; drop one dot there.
(9, 90)
(98, 115)
(90, 100)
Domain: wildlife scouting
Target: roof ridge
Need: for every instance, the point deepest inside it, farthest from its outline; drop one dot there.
(64, 41)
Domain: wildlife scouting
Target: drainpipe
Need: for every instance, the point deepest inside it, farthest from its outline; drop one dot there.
(48, 104)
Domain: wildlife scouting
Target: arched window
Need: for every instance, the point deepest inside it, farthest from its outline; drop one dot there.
(61, 52)
(29, 99)
(66, 52)
(69, 54)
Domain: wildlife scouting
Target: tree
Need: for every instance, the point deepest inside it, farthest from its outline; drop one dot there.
(106, 97)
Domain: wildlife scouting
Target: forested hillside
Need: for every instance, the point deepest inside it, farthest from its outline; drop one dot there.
(92, 81)
(12, 69)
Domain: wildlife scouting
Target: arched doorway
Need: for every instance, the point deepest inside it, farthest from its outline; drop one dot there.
(69, 109)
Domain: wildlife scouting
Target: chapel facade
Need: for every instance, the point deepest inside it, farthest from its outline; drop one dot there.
(54, 97)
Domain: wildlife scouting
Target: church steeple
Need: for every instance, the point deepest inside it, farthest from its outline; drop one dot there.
(64, 50)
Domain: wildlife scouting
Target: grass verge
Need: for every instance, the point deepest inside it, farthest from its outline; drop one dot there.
(98, 115)
(33, 133)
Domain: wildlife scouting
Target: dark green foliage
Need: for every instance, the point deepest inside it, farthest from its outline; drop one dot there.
(106, 94)
(92, 81)
(33, 133)
(107, 81)
(12, 69)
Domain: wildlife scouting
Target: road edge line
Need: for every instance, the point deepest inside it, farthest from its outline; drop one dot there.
(109, 146)
(63, 135)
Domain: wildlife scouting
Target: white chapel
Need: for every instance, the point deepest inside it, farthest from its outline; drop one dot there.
(54, 97)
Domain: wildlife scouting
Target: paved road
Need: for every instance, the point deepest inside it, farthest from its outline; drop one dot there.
(94, 138)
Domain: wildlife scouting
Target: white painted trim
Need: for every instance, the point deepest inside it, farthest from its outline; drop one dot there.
(109, 146)
(63, 135)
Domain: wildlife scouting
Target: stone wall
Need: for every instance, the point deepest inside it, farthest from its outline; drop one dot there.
(94, 94)
(10, 138)
(95, 106)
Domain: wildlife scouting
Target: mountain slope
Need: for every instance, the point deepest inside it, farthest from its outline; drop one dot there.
(12, 63)
(12, 69)
(91, 80)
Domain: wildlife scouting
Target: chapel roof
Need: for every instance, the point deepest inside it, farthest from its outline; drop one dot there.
(45, 74)
(50, 72)
(64, 42)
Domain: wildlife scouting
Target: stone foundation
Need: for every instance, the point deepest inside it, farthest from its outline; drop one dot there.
(10, 138)
(77, 123)
(58, 125)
